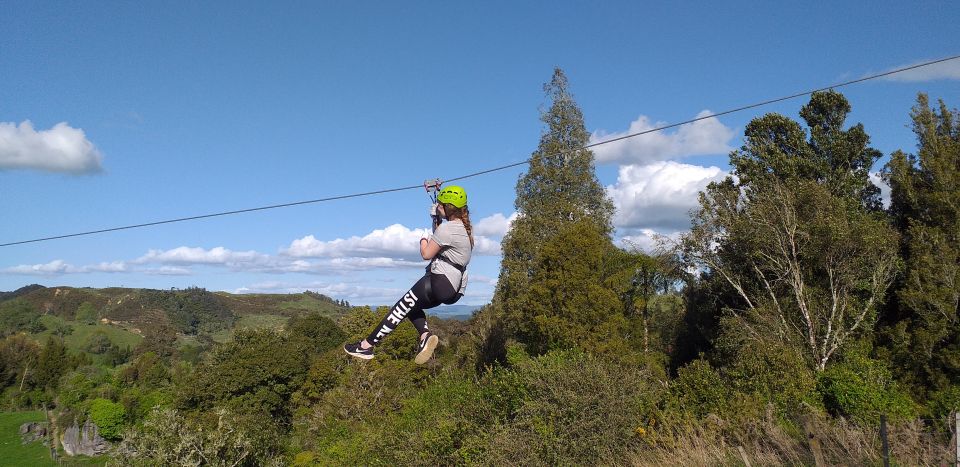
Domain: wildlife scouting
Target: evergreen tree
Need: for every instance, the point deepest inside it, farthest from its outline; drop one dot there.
(52, 363)
(559, 190)
(924, 331)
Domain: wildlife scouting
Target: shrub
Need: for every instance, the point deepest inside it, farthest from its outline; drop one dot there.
(572, 409)
(169, 438)
(862, 389)
(109, 418)
(699, 390)
(773, 373)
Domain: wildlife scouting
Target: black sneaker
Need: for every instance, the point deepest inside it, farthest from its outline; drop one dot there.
(425, 351)
(356, 351)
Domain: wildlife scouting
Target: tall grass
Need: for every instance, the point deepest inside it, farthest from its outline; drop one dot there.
(771, 442)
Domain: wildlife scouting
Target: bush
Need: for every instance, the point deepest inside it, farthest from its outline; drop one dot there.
(572, 409)
(699, 390)
(169, 438)
(776, 374)
(109, 418)
(944, 403)
(862, 389)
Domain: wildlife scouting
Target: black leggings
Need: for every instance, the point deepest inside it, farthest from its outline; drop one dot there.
(431, 290)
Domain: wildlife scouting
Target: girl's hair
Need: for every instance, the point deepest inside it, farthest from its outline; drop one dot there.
(463, 214)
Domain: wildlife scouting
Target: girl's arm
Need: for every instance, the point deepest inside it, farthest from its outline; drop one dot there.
(429, 248)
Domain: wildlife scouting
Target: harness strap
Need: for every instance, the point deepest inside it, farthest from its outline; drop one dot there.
(458, 267)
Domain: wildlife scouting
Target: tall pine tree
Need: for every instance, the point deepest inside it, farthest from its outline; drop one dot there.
(925, 205)
(559, 201)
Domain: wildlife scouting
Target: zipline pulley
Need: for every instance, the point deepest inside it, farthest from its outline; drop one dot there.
(433, 189)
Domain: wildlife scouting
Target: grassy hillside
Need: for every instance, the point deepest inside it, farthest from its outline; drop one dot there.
(190, 310)
(12, 450)
(126, 316)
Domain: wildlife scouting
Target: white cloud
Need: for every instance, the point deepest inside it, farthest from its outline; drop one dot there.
(59, 267)
(495, 226)
(393, 241)
(396, 242)
(939, 71)
(703, 137)
(649, 240)
(167, 271)
(484, 246)
(482, 279)
(59, 149)
(214, 256)
(659, 196)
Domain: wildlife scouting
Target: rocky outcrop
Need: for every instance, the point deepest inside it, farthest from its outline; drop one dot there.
(84, 440)
(33, 431)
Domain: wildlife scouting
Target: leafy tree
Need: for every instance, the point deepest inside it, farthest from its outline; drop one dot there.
(315, 332)
(18, 315)
(109, 417)
(192, 310)
(559, 189)
(18, 356)
(86, 313)
(795, 234)
(924, 319)
(644, 283)
(97, 343)
(255, 373)
(159, 339)
(147, 370)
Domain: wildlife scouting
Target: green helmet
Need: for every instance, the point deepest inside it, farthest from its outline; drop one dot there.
(454, 195)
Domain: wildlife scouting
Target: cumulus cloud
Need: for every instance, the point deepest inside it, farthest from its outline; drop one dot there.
(59, 149)
(659, 196)
(495, 226)
(393, 241)
(939, 71)
(703, 137)
(396, 243)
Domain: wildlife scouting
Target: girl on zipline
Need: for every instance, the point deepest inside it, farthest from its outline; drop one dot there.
(448, 250)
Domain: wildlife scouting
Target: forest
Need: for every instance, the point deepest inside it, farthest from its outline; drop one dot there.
(798, 312)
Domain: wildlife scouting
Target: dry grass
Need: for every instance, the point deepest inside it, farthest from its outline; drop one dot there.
(767, 442)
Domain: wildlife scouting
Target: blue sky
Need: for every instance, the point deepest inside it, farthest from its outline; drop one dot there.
(121, 113)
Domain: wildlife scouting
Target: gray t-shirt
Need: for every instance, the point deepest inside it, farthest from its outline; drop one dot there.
(455, 247)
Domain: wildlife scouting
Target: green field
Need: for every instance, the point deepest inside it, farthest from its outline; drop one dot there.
(12, 451)
(77, 340)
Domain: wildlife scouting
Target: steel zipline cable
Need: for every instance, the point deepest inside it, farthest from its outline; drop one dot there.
(495, 169)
